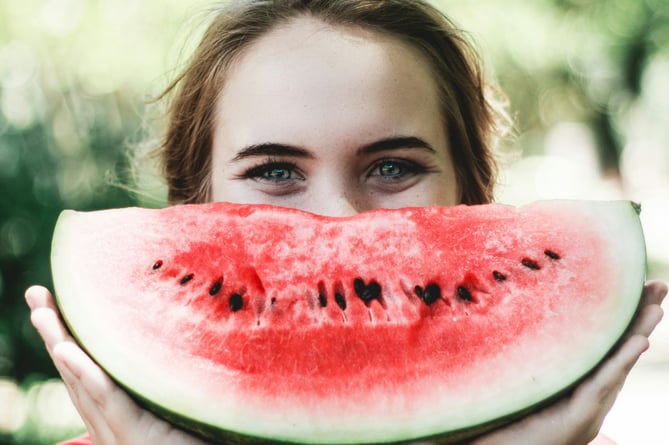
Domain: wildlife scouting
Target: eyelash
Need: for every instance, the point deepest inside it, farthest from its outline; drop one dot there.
(260, 172)
(408, 167)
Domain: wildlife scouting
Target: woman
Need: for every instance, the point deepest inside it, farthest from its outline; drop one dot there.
(334, 107)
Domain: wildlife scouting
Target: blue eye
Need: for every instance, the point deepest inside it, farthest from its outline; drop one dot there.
(390, 169)
(276, 172)
(395, 169)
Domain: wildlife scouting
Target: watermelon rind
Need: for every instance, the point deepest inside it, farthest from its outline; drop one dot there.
(234, 421)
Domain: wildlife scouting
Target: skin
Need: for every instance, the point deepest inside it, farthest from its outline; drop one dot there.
(307, 123)
(304, 127)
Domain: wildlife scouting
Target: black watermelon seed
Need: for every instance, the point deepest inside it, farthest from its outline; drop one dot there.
(359, 286)
(157, 264)
(236, 302)
(216, 287)
(186, 279)
(418, 291)
(367, 292)
(431, 294)
(464, 294)
(322, 294)
(498, 276)
(340, 300)
(374, 289)
(552, 255)
(530, 264)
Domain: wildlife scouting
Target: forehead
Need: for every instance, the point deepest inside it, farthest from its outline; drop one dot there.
(305, 71)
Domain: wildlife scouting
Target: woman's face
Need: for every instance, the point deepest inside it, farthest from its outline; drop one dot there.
(332, 120)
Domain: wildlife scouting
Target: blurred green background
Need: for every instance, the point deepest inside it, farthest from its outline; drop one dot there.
(588, 83)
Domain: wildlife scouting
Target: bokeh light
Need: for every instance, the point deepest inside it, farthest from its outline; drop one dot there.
(13, 409)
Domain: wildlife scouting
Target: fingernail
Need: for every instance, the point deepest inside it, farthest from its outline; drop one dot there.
(29, 299)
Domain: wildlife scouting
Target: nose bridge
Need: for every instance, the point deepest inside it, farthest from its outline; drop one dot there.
(337, 197)
(339, 204)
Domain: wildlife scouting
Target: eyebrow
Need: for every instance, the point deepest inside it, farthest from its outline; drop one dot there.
(272, 149)
(395, 143)
(275, 149)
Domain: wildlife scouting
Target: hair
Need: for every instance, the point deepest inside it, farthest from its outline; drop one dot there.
(472, 119)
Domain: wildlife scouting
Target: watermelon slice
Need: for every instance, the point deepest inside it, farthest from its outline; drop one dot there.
(272, 324)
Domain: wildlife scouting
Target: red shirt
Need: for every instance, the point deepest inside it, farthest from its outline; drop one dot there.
(83, 440)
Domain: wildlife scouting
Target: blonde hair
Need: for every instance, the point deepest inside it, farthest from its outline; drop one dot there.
(472, 120)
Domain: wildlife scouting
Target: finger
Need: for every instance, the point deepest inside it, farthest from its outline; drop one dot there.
(114, 410)
(50, 327)
(93, 380)
(112, 416)
(654, 292)
(646, 320)
(649, 312)
(87, 408)
(578, 418)
(45, 318)
(39, 296)
(90, 388)
(593, 399)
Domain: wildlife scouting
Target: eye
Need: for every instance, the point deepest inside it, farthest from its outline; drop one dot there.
(274, 172)
(277, 174)
(390, 169)
(395, 169)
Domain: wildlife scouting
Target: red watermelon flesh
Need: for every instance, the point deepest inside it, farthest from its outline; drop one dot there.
(385, 326)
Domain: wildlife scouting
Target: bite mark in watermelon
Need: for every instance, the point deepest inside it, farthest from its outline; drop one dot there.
(261, 322)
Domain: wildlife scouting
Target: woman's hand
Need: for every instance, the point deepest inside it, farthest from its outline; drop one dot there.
(577, 418)
(110, 415)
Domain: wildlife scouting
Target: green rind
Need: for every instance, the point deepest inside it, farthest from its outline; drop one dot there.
(211, 432)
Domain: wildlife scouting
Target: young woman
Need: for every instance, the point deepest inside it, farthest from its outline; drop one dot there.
(334, 107)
